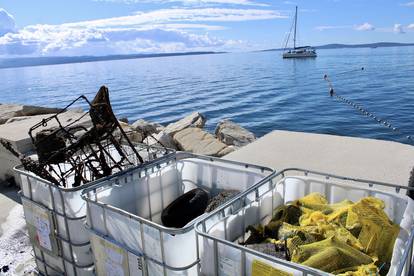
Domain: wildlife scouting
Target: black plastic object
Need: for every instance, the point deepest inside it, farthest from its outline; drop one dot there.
(410, 193)
(185, 208)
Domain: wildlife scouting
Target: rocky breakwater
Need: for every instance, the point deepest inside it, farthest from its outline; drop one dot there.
(188, 134)
(231, 133)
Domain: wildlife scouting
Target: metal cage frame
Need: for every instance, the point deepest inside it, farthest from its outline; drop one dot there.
(30, 176)
(90, 196)
(269, 183)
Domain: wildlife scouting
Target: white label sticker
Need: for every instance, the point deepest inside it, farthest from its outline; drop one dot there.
(110, 259)
(135, 265)
(113, 256)
(43, 232)
(113, 269)
(228, 267)
(114, 260)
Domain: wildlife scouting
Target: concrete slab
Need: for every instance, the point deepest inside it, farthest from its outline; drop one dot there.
(17, 133)
(347, 156)
(9, 198)
(8, 111)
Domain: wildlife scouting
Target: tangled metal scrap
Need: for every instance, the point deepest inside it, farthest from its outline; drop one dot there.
(71, 155)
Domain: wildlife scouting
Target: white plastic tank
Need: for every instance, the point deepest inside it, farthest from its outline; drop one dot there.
(220, 232)
(126, 212)
(55, 218)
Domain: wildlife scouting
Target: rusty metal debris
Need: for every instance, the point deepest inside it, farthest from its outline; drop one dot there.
(71, 155)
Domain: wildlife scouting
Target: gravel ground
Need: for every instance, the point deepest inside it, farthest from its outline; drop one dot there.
(16, 254)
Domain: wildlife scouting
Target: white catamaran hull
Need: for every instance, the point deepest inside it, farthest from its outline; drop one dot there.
(299, 55)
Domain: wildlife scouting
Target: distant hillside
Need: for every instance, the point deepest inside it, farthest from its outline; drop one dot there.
(38, 61)
(343, 46)
(368, 45)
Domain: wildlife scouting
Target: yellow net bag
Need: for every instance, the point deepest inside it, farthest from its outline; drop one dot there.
(330, 255)
(346, 238)
(364, 226)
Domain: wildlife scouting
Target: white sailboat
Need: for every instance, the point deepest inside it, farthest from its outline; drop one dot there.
(298, 52)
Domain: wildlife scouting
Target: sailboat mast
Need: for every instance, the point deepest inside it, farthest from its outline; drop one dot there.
(296, 22)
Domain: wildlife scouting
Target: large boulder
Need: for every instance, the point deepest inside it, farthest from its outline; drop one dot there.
(161, 139)
(133, 135)
(227, 150)
(199, 141)
(231, 133)
(195, 119)
(8, 111)
(75, 111)
(146, 128)
(124, 120)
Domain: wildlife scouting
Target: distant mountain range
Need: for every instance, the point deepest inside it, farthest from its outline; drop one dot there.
(342, 46)
(38, 61)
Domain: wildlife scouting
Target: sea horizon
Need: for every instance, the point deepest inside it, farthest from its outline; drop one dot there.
(258, 90)
(13, 62)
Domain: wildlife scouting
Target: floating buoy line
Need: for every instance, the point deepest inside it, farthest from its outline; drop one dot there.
(361, 109)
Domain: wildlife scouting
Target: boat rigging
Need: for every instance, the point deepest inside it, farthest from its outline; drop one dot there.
(297, 52)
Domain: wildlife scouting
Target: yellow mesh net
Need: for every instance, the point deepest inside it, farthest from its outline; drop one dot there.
(362, 230)
(346, 238)
(330, 255)
(362, 270)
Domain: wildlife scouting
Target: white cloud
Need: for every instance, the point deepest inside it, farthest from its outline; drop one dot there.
(324, 28)
(181, 15)
(190, 2)
(189, 26)
(365, 27)
(167, 30)
(362, 27)
(60, 40)
(408, 4)
(7, 23)
(398, 28)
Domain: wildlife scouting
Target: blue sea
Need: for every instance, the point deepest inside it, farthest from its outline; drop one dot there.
(259, 90)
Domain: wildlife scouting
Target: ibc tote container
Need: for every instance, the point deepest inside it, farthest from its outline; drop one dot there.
(218, 233)
(124, 213)
(55, 218)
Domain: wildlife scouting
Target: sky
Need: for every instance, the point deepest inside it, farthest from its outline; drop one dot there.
(31, 28)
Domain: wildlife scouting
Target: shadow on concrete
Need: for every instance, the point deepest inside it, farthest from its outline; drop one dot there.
(11, 192)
